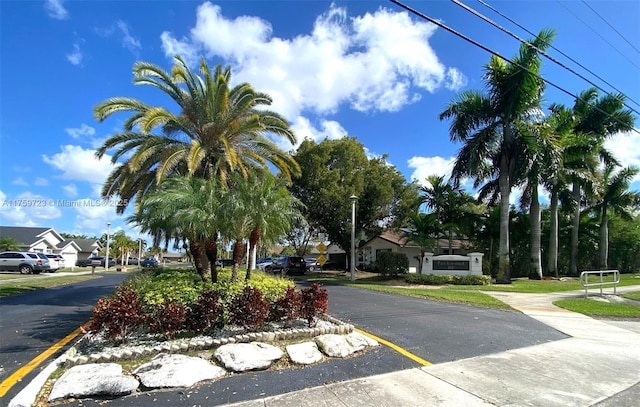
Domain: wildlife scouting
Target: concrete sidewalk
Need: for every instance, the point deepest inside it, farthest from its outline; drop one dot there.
(599, 365)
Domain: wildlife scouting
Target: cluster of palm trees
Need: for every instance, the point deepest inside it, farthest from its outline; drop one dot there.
(201, 170)
(507, 142)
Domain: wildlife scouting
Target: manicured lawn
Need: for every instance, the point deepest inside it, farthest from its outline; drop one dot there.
(635, 295)
(596, 308)
(17, 287)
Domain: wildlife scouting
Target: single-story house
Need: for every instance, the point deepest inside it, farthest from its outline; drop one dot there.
(44, 240)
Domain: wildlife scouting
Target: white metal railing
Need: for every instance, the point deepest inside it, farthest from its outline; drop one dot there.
(600, 282)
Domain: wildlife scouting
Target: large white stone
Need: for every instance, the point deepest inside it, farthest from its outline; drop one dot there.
(335, 345)
(241, 357)
(176, 371)
(360, 341)
(304, 353)
(96, 379)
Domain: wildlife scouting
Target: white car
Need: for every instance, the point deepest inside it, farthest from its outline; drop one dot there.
(56, 262)
(263, 264)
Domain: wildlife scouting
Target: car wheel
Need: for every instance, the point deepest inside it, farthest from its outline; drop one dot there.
(25, 269)
(312, 269)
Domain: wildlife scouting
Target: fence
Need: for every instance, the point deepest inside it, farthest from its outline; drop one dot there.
(584, 280)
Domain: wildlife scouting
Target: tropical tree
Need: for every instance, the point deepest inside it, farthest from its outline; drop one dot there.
(9, 243)
(596, 117)
(488, 124)
(614, 197)
(449, 203)
(122, 246)
(214, 130)
(183, 208)
(423, 230)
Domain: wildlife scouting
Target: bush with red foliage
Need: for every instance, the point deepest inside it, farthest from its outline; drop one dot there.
(205, 313)
(287, 308)
(248, 309)
(314, 303)
(168, 318)
(120, 315)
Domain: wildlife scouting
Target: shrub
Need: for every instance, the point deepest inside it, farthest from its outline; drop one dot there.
(206, 312)
(248, 309)
(442, 279)
(119, 315)
(392, 263)
(168, 318)
(286, 308)
(180, 286)
(314, 303)
(272, 287)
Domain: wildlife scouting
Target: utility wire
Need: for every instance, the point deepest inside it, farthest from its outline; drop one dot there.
(598, 34)
(486, 19)
(492, 52)
(555, 49)
(612, 27)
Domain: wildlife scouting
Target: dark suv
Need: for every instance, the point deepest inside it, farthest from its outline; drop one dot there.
(289, 265)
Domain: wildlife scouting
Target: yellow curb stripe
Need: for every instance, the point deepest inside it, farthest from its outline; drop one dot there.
(19, 374)
(395, 347)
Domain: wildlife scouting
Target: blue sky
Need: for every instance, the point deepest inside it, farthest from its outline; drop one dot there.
(361, 68)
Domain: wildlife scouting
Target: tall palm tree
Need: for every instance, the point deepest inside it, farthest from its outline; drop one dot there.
(487, 124)
(596, 117)
(614, 197)
(214, 130)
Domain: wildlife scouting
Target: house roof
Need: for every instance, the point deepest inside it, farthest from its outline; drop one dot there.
(399, 240)
(85, 245)
(28, 236)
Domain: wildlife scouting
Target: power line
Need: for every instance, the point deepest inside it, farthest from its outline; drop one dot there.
(555, 49)
(477, 14)
(598, 34)
(492, 52)
(612, 27)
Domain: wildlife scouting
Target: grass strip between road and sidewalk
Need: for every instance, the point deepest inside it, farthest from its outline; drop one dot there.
(16, 287)
(600, 309)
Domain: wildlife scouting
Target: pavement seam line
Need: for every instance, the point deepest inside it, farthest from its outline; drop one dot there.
(395, 347)
(19, 374)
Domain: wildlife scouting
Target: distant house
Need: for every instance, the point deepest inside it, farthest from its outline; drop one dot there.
(86, 248)
(44, 240)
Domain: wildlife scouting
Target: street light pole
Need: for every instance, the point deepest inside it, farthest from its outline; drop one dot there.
(106, 261)
(139, 250)
(352, 263)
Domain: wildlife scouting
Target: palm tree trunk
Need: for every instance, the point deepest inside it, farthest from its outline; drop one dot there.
(238, 254)
(211, 249)
(254, 237)
(503, 247)
(196, 251)
(552, 264)
(534, 219)
(604, 240)
(575, 226)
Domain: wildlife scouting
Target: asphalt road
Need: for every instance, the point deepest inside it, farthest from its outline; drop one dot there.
(32, 322)
(435, 331)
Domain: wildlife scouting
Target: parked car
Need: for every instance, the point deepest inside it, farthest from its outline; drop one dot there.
(24, 262)
(56, 262)
(132, 261)
(89, 262)
(224, 262)
(149, 262)
(262, 264)
(312, 264)
(289, 265)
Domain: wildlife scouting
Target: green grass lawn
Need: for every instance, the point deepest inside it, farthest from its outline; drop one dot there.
(596, 308)
(635, 295)
(17, 287)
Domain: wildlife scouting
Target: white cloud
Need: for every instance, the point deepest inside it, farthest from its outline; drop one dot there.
(75, 57)
(41, 182)
(455, 79)
(425, 166)
(374, 62)
(70, 190)
(329, 129)
(20, 181)
(626, 148)
(55, 9)
(81, 132)
(128, 41)
(79, 164)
